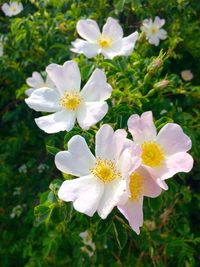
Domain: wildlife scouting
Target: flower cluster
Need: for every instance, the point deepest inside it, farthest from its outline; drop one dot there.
(121, 171)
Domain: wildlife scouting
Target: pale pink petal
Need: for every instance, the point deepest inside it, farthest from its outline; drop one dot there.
(85, 192)
(142, 128)
(78, 160)
(6, 9)
(173, 140)
(29, 91)
(112, 29)
(159, 22)
(96, 89)
(162, 34)
(36, 81)
(133, 212)
(60, 121)
(88, 29)
(154, 40)
(114, 194)
(90, 113)
(128, 44)
(84, 47)
(66, 77)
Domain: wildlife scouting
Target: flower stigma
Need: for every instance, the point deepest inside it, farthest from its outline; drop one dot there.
(136, 185)
(70, 100)
(105, 170)
(104, 42)
(152, 154)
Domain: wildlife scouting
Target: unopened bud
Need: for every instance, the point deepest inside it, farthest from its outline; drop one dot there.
(162, 84)
(187, 75)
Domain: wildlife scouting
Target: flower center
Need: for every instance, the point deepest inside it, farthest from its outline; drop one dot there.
(71, 100)
(152, 154)
(105, 170)
(154, 29)
(136, 185)
(104, 42)
(13, 8)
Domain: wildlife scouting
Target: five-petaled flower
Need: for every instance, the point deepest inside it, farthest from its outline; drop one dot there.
(36, 82)
(67, 101)
(102, 182)
(153, 30)
(163, 155)
(110, 42)
(12, 9)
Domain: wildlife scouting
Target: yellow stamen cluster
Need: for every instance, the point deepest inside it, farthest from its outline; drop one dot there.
(105, 170)
(70, 100)
(104, 42)
(13, 8)
(154, 29)
(136, 185)
(152, 154)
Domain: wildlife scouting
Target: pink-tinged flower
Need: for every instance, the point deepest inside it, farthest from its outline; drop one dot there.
(102, 178)
(12, 9)
(67, 101)
(110, 42)
(187, 75)
(36, 82)
(139, 184)
(153, 30)
(163, 154)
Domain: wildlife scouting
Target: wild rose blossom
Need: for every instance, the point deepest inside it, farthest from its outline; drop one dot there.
(12, 9)
(163, 154)
(153, 30)
(187, 75)
(102, 178)
(36, 82)
(67, 101)
(110, 42)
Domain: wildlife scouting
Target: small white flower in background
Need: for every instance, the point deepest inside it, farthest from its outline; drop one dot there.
(16, 211)
(187, 75)
(139, 184)
(87, 240)
(163, 111)
(12, 9)
(42, 167)
(102, 179)
(22, 169)
(36, 82)
(163, 154)
(68, 102)
(153, 30)
(110, 42)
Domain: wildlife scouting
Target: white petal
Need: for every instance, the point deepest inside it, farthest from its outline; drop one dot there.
(29, 91)
(6, 9)
(49, 83)
(112, 51)
(90, 113)
(114, 193)
(153, 39)
(173, 140)
(66, 77)
(159, 22)
(78, 160)
(84, 47)
(44, 99)
(162, 34)
(36, 81)
(88, 29)
(85, 192)
(96, 89)
(133, 212)
(112, 29)
(60, 121)
(128, 44)
(142, 128)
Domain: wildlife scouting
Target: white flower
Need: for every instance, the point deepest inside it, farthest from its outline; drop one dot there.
(102, 179)
(22, 168)
(187, 75)
(36, 82)
(12, 9)
(153, 30)
(68, 102)
(110, 42)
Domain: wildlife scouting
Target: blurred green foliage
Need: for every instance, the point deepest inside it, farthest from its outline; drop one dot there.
(37, 229)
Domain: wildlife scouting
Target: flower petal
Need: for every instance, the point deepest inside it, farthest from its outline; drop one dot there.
(66, 77)
(29, 91)
(84, 47)
(36, 81)
(159, 22)
(6, 9)
(85, 192)
(60, 121)
(112, 51)
(88, 29)
(128, 44)
(142, 128)
(154, 40)
(162, 34)
(173, 140)
(112, 29)
(78, 160)
(96, 89)
(114, 193)
(133, 212)
(90, 113)
(44, 99)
